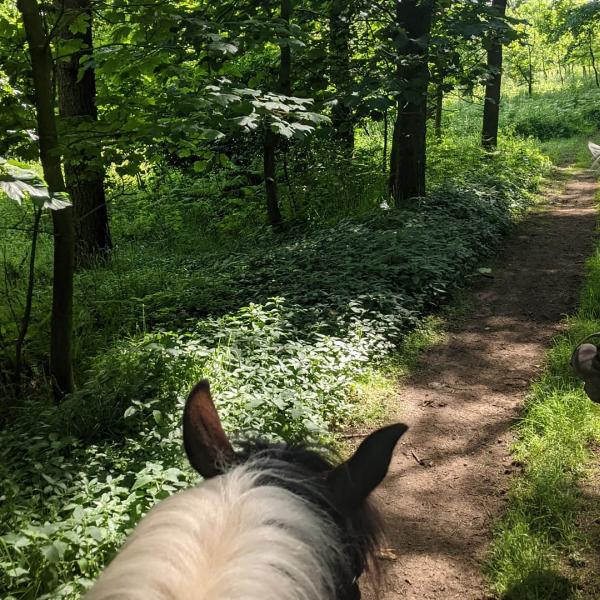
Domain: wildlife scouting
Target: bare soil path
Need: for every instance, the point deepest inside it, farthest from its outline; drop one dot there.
(450, 475)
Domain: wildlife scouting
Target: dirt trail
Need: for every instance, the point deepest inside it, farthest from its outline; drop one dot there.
(463, 401)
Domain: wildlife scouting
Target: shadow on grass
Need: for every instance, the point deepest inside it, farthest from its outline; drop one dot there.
(537, 585)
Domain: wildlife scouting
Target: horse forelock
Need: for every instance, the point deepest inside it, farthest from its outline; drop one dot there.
(266, 530)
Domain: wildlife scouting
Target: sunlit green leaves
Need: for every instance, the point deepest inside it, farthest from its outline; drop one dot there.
(56, 201)
(18, 183)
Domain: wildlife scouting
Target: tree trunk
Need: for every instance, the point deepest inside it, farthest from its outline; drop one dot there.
(270, 168)
(560, 74)
(26, 320)
(339, 50)
(530, 70)
(439, 108)
(407, 161)
(61, 368)
(285, 64)
(491, 107)
(593, 58)
(385, 142)
(544, 70)
(270, 138)
(84, 168)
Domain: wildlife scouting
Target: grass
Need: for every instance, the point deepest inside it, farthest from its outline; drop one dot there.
(572, 152)
(376, 391)
(560, 119)
(538, 542)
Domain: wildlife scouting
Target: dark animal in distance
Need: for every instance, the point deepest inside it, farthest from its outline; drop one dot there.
(270, 522)
(585, 362)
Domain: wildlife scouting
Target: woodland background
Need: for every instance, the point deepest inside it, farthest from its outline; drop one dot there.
(273, 195)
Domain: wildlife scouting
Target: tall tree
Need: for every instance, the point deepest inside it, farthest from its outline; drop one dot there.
(62, 290)
(582, 22)
(407, 162)
(84, 169)
(491, 107)
(340, 17)
(271, 139)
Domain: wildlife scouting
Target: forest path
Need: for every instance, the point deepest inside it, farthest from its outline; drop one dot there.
(448, 481)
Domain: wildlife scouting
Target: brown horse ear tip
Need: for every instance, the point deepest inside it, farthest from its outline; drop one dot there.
(202, 386)
(398, 429)
(198, 397)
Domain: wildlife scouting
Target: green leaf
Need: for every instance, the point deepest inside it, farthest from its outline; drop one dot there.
(172, 474)
(61, 548)
(129, 412)
(69, 47)
(224, 160)
(248, 121)
(58, 201)
(282, 129)
(200, 166)
(223, 47)
(83, 564)
(212, 134)
(95, 532)
(51, 553)
(302, 129)
(225, 99)
(142, 481)
(78, 514)
(17, 190)
(80, 24)
(313, 117)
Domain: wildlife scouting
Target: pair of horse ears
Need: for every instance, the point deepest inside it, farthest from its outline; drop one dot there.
(209, 450)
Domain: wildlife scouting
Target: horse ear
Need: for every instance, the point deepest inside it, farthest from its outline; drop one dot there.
(205, 442)
(352, 481)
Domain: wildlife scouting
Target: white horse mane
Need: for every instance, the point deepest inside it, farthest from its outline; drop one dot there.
(230, 538)
(595, 150)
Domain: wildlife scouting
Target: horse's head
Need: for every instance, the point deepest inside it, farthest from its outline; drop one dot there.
(270, 521)
(341, 491)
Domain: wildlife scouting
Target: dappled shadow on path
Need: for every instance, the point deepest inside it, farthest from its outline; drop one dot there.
(452, 471)
(588, 565)
(545, 583)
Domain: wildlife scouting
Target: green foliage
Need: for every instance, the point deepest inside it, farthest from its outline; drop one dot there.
(18, 183)
(288, 329)
(539, 531)
(70, 505)
(556, 114)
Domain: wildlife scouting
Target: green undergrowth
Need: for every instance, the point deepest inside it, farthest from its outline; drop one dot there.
(561, 120)
(572, 151)
(299, 336)
(555, 114)
(375, 393)
(538, 546)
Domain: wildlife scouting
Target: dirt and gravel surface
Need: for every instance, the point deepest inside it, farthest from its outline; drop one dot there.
(449, 478)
